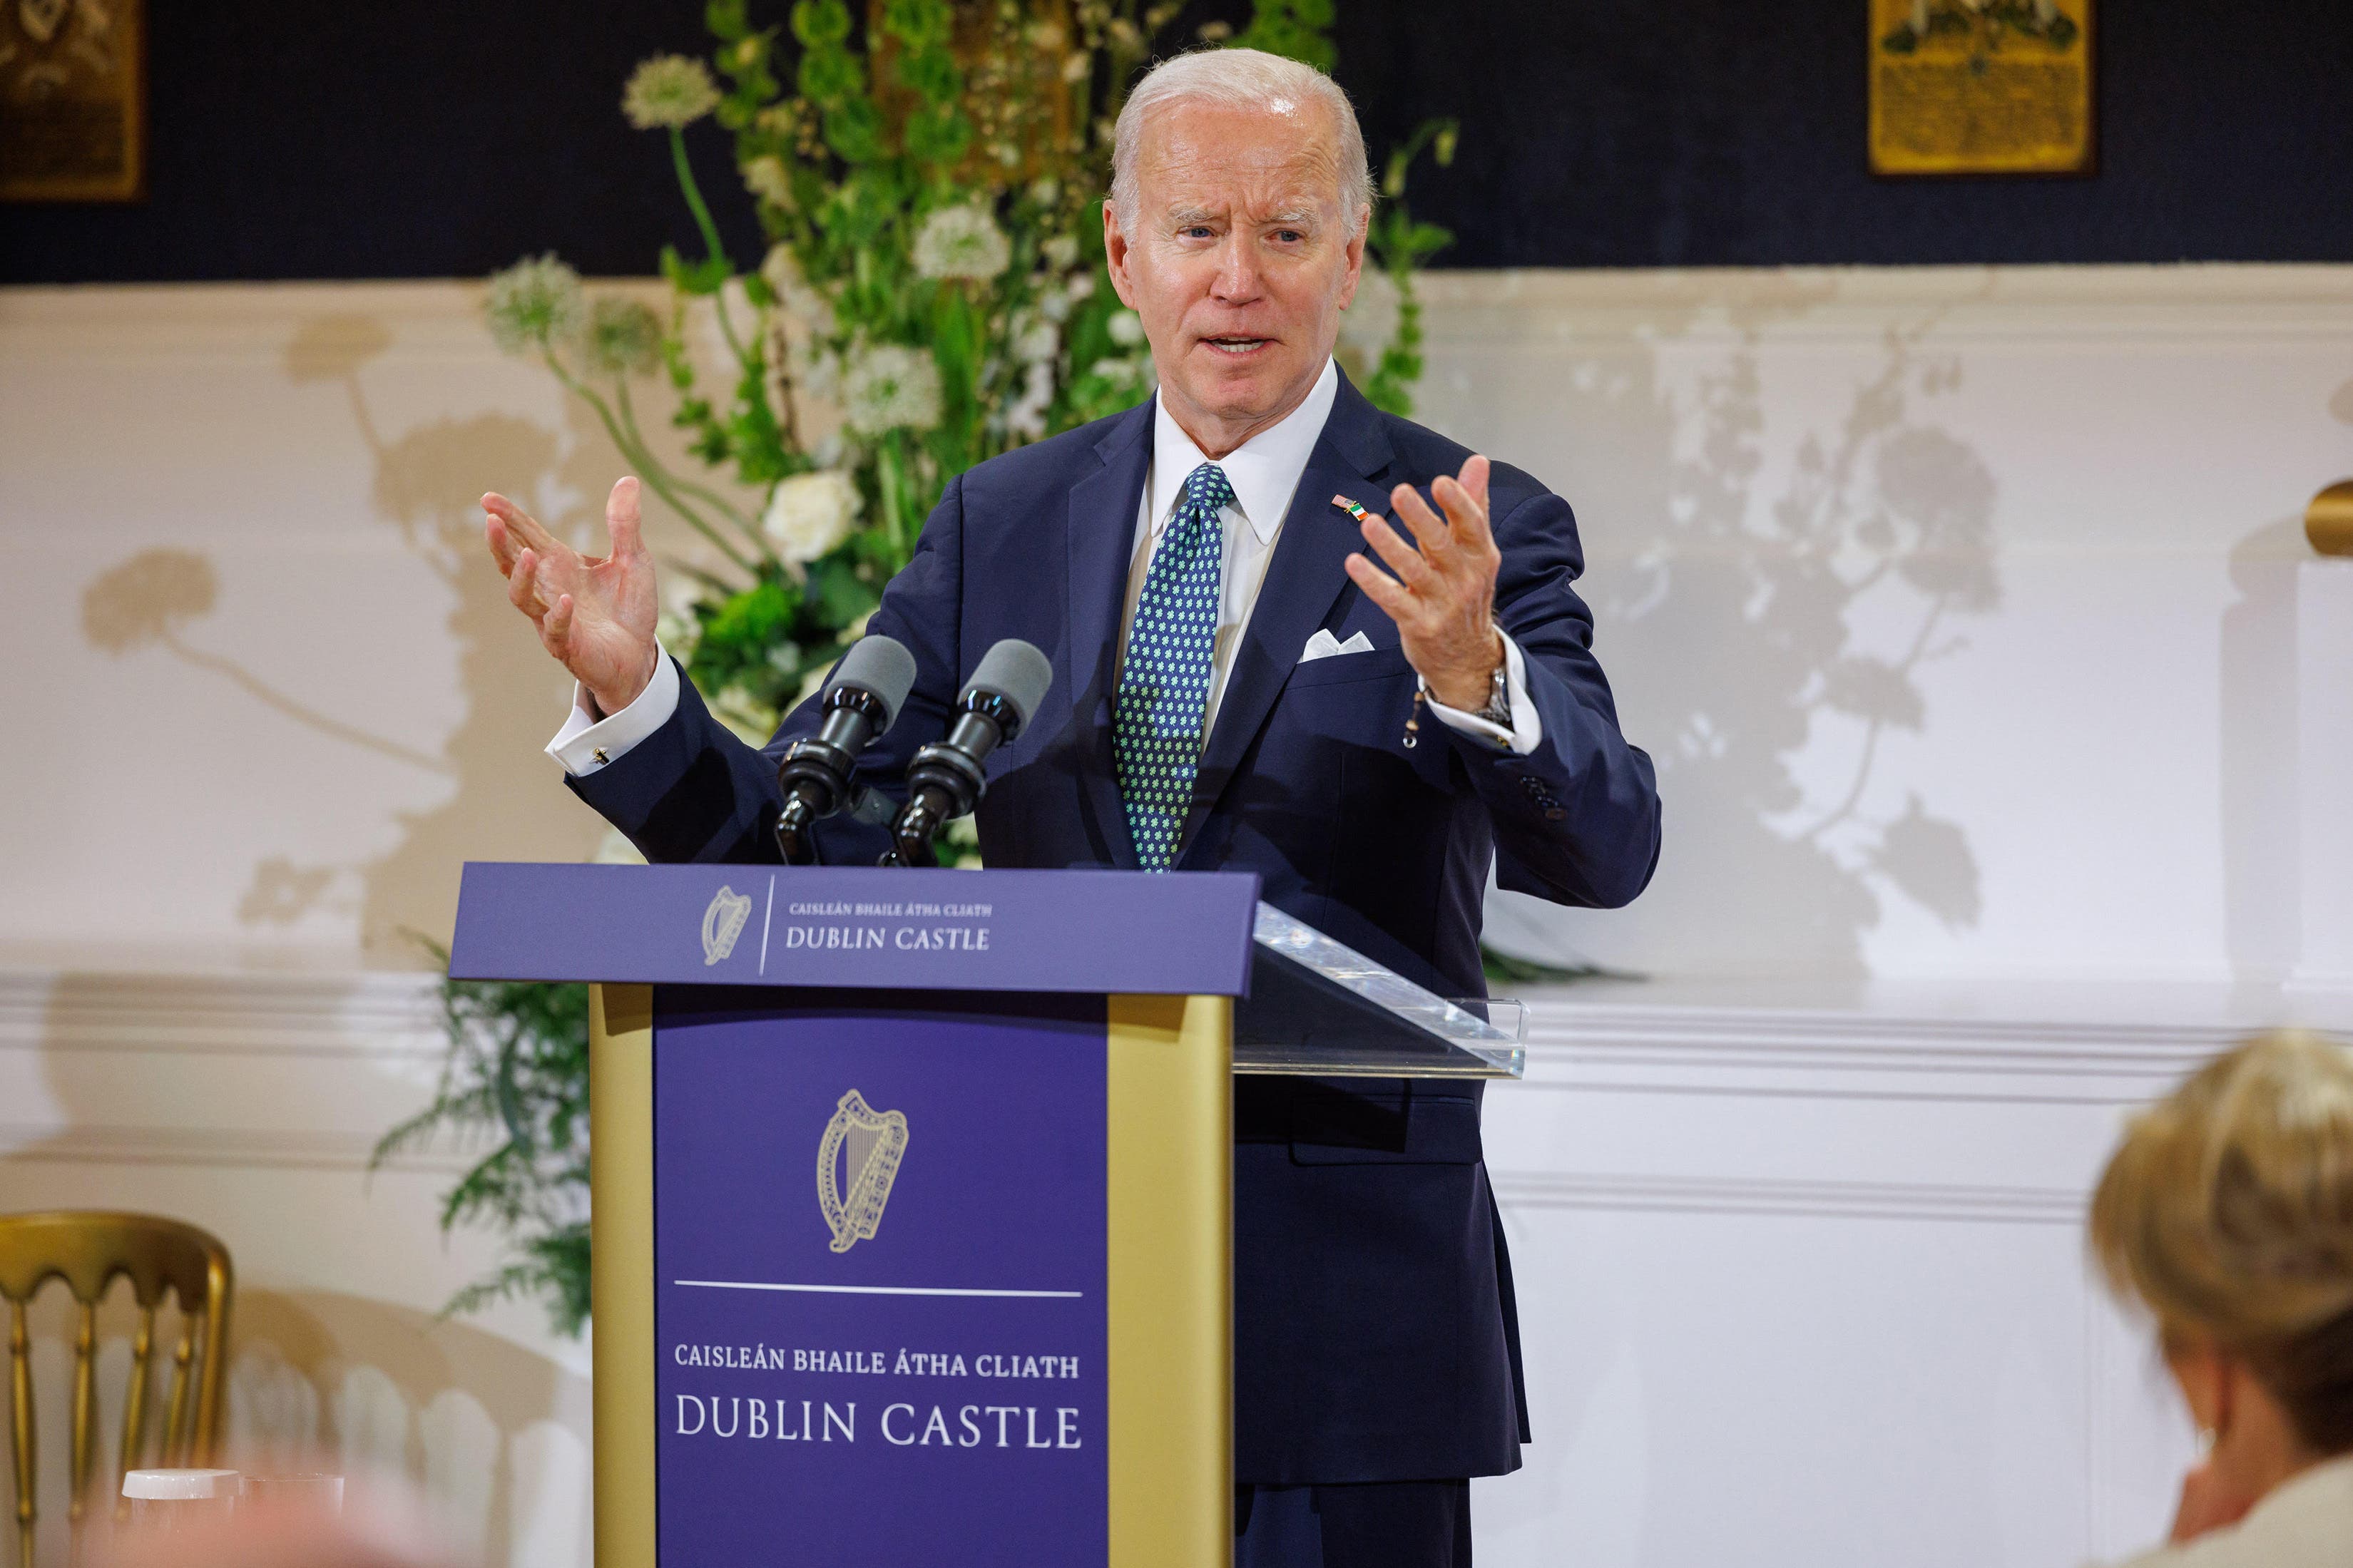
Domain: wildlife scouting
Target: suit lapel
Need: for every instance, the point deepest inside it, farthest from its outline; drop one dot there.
(1302, 582)
(1100, 532)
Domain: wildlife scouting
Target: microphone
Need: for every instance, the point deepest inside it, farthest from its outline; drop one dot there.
(861, 702)
(946, 780)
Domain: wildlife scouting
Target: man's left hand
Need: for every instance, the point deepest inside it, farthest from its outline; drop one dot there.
(1442, 598)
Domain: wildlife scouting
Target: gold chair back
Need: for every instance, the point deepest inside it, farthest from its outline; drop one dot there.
(87, 1251)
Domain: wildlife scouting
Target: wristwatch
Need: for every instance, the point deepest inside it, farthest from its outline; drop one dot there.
(1498, 710)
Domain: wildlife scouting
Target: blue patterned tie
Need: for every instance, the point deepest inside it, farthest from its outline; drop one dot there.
(1163, 688)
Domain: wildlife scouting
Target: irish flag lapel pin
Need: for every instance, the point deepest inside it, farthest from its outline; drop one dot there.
(1351, 508)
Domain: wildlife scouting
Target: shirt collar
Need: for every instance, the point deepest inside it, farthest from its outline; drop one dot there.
(1264, 470)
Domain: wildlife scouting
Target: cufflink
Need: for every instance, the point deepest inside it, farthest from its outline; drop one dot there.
(598, 753)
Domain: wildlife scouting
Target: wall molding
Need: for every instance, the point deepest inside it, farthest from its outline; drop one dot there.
(374, 1022)
(1572, 1042)
(1905, 1201)
(1865, 1052)
(374, 1015)
(238, 1148)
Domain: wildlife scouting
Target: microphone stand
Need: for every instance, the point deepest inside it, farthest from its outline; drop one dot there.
(946, 779)
(814, 773)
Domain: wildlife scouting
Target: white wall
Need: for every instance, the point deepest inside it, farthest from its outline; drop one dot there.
(1967, 612)
(2001, 722)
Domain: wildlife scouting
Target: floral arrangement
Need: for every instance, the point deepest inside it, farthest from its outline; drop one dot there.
(928, 177)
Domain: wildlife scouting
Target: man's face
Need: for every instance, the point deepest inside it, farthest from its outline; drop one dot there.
(1240, 264)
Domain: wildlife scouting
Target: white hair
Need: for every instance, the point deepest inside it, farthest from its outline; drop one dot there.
(1238, 79)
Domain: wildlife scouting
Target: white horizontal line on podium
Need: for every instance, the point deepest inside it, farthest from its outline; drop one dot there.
(871, 1289)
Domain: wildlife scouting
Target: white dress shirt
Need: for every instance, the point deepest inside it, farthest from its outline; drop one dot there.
(1263, 472)
(2306, 1521)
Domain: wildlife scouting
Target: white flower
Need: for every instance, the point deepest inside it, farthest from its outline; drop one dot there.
(801, 302)
(1045, 190)
(1081, 286)
(1055, 307)
(536, 302)
(1061, 251)
(810, 515)
(676, 624)
(779, 269)
(962, 242)
(1026, 417)
(622, 338)
(768, 178)
(680, 594)
(1121, 370)
(821, 375)
(1125, 327)
(669, 90)
(890, 386)
(1035, 343)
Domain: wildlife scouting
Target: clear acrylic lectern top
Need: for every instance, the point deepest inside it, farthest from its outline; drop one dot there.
(1321, 1008)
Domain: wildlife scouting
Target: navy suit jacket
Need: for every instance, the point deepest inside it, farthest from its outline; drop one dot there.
(1375, 1333)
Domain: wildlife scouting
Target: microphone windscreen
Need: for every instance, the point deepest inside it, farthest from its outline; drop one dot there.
(1015, 671)
(880, 665)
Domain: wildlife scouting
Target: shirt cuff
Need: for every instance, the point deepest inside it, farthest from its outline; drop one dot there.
(586, 743)
(1527, 730)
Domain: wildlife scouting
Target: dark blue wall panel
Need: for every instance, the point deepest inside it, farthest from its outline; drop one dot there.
(430, 140)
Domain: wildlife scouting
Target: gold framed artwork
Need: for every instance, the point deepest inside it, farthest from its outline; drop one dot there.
(73, 100)
(1981, 87)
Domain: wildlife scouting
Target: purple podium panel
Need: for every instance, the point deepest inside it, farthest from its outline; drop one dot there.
(880, 1310)
(1115, 933)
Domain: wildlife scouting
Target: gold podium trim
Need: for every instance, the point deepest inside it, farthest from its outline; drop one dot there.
(1168, 1190)
(621, 1269)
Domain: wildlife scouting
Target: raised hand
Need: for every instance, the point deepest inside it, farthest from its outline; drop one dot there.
(1442, 598)
(595, 615)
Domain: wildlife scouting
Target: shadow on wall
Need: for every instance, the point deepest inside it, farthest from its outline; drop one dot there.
(504, 802)
(1765, 645)
(495, 1436)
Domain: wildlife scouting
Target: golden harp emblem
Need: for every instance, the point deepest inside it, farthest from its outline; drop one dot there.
(722, 922)
(857, 1160)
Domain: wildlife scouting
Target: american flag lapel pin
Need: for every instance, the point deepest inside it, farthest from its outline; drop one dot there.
(1351, 508)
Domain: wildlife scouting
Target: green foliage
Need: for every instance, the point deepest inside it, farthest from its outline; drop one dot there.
(1295, 29)
(516, 1078)
(1400, 247)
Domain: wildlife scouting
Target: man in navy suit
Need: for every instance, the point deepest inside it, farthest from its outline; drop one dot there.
(1237, 685)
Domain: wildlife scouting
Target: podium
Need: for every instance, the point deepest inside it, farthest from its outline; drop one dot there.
(913, 1207)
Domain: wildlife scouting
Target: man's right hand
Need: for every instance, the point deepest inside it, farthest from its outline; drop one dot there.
(595, 615)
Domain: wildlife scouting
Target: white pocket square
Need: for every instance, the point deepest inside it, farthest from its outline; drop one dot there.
(1323, 645)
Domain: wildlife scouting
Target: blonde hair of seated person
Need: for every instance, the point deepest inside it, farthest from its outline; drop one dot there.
(2228, 1212)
